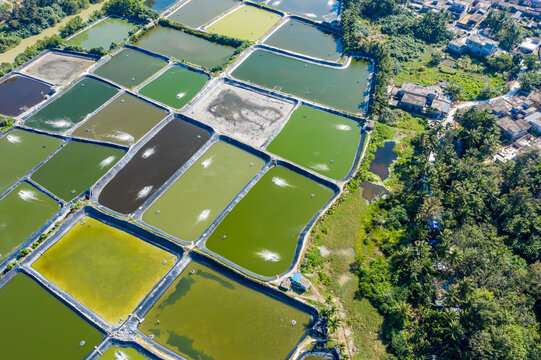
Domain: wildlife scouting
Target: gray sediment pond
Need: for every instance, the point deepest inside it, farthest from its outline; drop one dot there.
(57, 68)
(154, 163)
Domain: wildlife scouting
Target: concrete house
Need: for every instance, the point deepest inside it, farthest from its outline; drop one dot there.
(481, 46)
(513, 129)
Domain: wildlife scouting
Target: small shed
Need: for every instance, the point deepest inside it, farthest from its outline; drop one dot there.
(300, 282)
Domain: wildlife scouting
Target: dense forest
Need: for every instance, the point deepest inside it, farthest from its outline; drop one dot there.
(459, 276)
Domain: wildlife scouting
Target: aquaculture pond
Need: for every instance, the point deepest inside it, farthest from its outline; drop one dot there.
(75, 168)
(196, 199)
(207, 315)
(195, 13)
(22, 212)
(320, 141)
(73, 106)
(130, 67)
(21, 152)
(246, 22)
(342, 88)
(372, 191)
(106, 269)
(40, 325)
(20, 93)
(262, 231)
(383, 158)
(108, 31)
(123, 121)
(314, 9)
(183, 46)
(122, 353)
(306, 39)
(175, 87)
(58, 68)
(152, 165)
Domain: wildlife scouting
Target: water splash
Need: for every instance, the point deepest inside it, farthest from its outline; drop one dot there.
(59, 123)
(181, 95)
(204, 215)
(310, 15)
(28, 195)
(148, 152)
(107, 161)
(143, 193)
(343, 127)
(280, 182)
(119, 355)
(206, 163)
(14, 139)
(122, 136)
(268, 255)
(320, 167)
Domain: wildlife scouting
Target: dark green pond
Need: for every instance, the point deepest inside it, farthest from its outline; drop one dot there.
(182, 46)
(73, 106)
(314, 9)
(21, 152)
(40, 326)
(75, 168)
(103, 34)
(130, 67)
(383, 158)
(205, 315)
(22, 212)
(345, 89)
(261, 232)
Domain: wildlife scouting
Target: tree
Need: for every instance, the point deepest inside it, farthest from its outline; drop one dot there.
(378, 9)
(433, 27)
(530, 80)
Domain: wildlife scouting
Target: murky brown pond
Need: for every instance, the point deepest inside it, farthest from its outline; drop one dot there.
(152, 165)
(20, 93)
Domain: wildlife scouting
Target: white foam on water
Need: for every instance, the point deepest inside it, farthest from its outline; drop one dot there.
(28, 195)
(119, 355)
(331, 3)
(107, 161)
(148, 152)
(181, 95)
(122, 136)
(280, 182)
(143, 193)
(343, 127)
(320, 167)
(206, 163)
(276, 3)
(310, 15)
(59, 123)
(14, 139)
(204, 215)
(268, 255)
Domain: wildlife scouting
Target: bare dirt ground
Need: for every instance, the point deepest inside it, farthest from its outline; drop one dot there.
(56, 68)
(240, 113)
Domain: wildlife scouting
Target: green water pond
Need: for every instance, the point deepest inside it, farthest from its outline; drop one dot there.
(182, 46)
(73, 106)
(75, 168)
(103, 34)
(261, 233)
(320, 141)
(344, 89)
(22, 212)
(106, 269)
(21, 152)
(130, 67)
(194, 201)
(40, 326)
(206, 315)
(198, 12)
(175, 87)
(122, 353)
